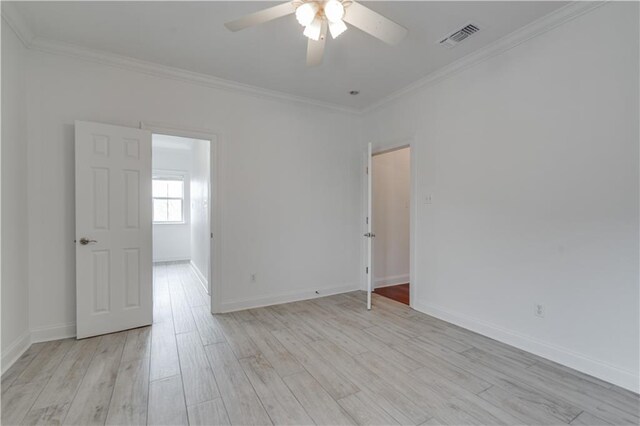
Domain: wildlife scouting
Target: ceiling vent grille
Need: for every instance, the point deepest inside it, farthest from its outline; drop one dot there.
(463, 33)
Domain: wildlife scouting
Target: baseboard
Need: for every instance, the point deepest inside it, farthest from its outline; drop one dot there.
(54, 332)
(15, 350)
(172, 259)
(564, 356)
(391, 280)
(200, 276)
(238, 305)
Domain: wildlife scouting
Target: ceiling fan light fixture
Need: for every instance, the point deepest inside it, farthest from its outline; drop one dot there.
(336, 28)
(313, 29)
(306, 13)
(321, 16)
(334, 11)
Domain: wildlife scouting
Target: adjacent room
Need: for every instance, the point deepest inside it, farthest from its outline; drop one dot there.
(391, 197)
(180, 191)
(326, 212)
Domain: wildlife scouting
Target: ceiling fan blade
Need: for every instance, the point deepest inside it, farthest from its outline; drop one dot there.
(374, 24)
(315, 48)
(261, 16)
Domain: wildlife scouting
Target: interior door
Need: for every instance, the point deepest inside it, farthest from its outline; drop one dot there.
(113, 228)
(369, 235)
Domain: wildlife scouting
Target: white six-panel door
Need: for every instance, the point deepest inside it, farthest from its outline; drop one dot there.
(113, 228)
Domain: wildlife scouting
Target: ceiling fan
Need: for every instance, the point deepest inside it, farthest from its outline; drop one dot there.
(317, 15)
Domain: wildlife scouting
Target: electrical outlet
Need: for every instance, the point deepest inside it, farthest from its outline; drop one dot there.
(428, 199)
(538, 310)
(252, 278)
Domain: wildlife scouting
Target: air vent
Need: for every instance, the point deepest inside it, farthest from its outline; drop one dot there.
(453, 39)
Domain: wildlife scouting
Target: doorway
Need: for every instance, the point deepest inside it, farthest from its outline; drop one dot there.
(181, 192)
(391, 220)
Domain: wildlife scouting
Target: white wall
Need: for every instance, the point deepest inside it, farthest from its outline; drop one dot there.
(390, 222)
(172, 241)
(200, 231)
(15, 320)
(290, 184)
(532, 160)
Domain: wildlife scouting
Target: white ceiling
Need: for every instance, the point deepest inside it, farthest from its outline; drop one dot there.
(171, 142)
(191, 36)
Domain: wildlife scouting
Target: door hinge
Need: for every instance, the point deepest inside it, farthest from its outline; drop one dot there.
(212, 235)
(367, 169)
(367, 220)
(367, 269)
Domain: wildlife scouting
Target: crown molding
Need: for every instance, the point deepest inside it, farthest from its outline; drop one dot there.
(164, 71)
(13, 18)
(521, 35)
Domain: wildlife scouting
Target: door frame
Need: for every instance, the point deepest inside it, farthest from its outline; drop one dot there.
(215, 198)
(383, 148)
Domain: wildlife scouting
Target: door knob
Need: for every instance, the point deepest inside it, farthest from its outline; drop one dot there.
(84, 241)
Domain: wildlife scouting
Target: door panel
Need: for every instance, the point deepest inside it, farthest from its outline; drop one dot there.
(101, 283)
(113, 219)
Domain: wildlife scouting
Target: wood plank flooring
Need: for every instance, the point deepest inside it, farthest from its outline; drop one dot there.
(323, 361)
(399, 293)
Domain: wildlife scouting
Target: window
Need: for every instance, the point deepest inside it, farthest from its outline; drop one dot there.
(168, 199)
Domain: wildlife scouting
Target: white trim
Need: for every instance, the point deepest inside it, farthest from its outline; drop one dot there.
(217, 154)
(179, 74)
(203, 281)
(535, 28)
(529, 31)
(403, 143)
(41, 334)
(594, 367)
(186, 194)
(68, 330)
(170, 259)
(31, 41)
(413, 220)
(295, 296)
(15, 350)
(391, 280)
(172, 262)
(53, 332)
(16, 22)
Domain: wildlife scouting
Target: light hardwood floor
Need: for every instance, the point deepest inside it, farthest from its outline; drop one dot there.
(325, 361)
